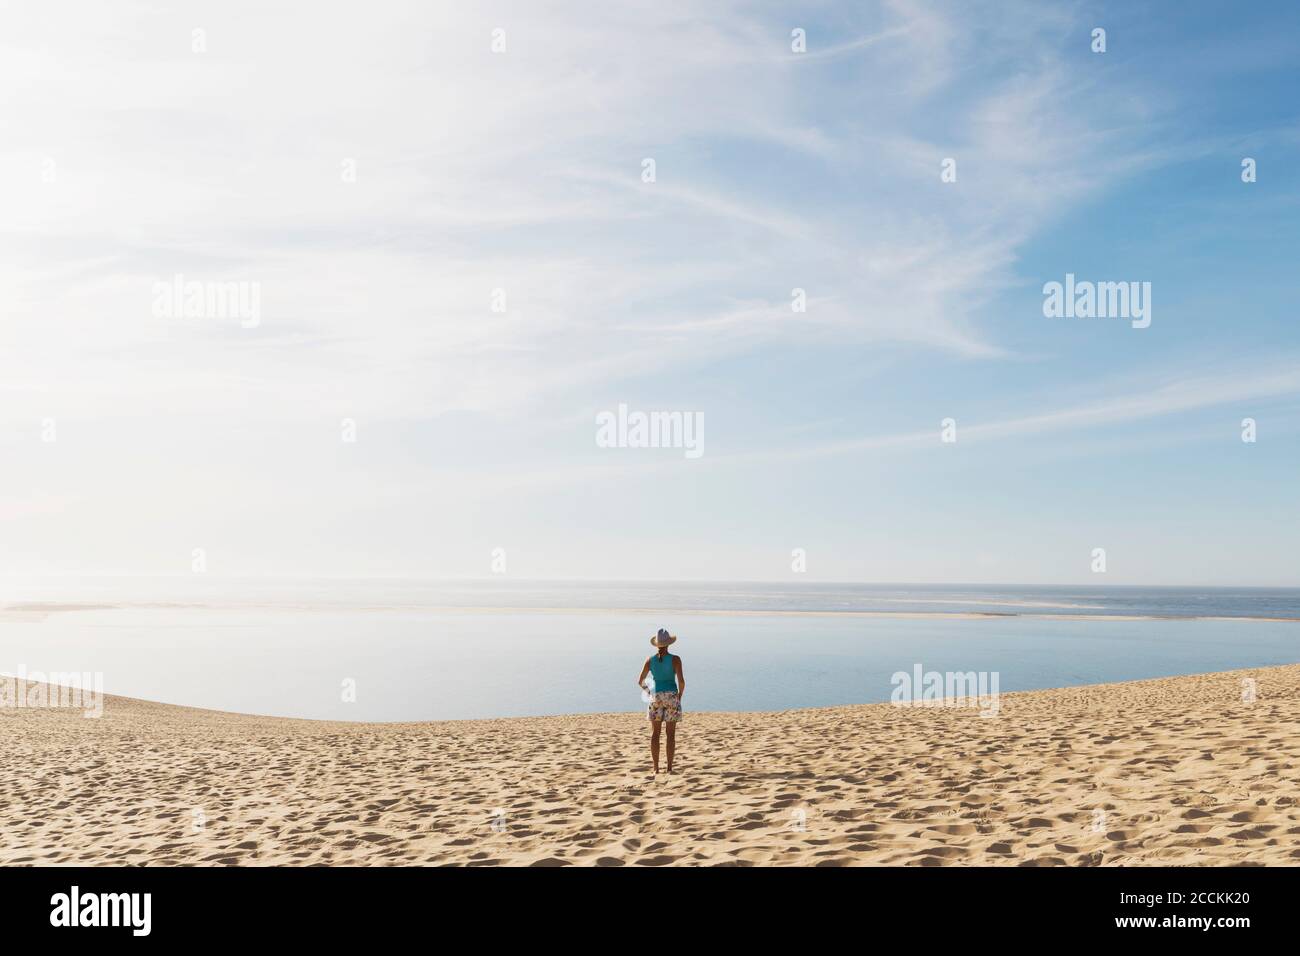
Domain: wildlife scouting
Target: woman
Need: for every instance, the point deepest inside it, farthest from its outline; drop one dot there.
(666, 704)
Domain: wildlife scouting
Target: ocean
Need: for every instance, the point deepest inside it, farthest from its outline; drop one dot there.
(410, 650)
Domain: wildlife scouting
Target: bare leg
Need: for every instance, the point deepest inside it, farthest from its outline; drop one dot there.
(672, 743)
(654, 742)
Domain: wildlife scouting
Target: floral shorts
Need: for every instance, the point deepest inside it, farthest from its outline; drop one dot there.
(665, 706)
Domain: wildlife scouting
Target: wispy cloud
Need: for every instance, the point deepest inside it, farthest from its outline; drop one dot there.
(515, 177)
(1134, 404)
(474, 169)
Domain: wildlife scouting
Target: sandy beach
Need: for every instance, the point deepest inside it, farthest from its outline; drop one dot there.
(1178, 770)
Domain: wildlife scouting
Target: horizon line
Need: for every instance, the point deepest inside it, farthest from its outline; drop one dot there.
(505, 579)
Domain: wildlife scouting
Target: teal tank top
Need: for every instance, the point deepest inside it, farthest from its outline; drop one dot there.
(665, 677)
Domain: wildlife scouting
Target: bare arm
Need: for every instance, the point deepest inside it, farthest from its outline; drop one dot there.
(645, 669)
(681, 679)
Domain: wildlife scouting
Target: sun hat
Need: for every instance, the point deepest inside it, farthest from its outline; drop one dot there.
(662, 639)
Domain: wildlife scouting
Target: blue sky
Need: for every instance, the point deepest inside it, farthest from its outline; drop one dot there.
(132, 156)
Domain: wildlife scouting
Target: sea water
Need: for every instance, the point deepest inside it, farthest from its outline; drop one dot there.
(405, 651)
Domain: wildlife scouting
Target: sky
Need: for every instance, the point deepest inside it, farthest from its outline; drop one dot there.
(445, 217)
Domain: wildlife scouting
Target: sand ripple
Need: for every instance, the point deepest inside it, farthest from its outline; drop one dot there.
(1172, 771)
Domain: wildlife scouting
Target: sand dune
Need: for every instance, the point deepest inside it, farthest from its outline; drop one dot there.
(1178, 770)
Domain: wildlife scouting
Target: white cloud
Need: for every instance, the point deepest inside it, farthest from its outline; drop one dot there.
(518, 171)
